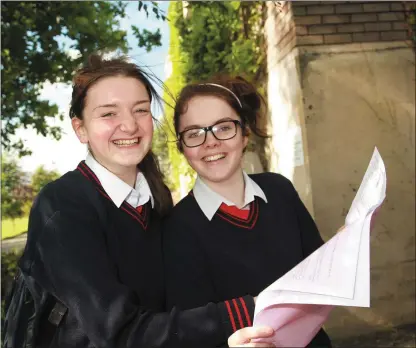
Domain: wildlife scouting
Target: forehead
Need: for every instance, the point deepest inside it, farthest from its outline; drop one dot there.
(206, 110)
(116, 89)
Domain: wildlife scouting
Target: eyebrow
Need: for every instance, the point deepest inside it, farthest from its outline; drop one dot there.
(194, 126)
(115, 105)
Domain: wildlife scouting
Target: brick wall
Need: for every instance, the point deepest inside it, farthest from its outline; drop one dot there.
(334, 22)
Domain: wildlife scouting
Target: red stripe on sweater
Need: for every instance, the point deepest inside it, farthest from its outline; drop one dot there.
(134, 216)
(91, 173)
(243, 303)
(232, 210)
(231, 316)
(238, 313)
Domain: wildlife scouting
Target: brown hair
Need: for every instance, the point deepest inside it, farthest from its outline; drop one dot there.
(97, 68)
(246, 101)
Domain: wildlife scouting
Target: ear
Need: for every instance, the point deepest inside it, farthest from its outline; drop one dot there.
(246, 134)
(79, 129)
(179, 146)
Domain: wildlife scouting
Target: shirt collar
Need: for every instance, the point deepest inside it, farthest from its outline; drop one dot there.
(117, 189)
(209, 201)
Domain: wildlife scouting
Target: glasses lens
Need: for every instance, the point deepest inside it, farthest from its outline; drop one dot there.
(193, 137)
(225, 130)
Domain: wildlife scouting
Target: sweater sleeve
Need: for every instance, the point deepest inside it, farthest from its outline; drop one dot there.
(72, 263)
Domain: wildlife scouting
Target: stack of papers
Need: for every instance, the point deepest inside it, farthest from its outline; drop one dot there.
(337, 274)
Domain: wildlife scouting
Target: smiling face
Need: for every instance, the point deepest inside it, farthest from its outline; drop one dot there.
(117, 123)
(215, 161)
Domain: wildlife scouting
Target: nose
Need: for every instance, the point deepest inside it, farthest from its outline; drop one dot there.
(128, 123)
(211, 141)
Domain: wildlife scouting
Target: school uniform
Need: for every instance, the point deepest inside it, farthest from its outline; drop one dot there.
(94, 243)
(215, 251)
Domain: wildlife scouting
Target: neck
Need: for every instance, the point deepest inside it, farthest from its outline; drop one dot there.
(233, 189)
(129, 177)
(127, 174)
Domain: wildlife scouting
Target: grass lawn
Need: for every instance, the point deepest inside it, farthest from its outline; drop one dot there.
(10, 229)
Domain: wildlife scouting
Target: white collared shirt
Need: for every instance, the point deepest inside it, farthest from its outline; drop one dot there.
(117, 189)
(210, 201)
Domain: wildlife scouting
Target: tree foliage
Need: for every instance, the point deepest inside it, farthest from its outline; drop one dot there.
(34, 34)
(41, 177)
(14, 191)
(221, 37)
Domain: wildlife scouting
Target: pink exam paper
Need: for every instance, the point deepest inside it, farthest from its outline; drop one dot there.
(288, 320)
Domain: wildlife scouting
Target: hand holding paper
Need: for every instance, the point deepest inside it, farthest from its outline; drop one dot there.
(337, 274)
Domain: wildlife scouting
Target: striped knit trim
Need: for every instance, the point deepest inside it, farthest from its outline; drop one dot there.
(243, 304)
(142, 218)
(242, 214)
(238, 313)
(249, 223)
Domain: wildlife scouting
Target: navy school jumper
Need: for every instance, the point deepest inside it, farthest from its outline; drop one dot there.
(105, 264)
(231, 256)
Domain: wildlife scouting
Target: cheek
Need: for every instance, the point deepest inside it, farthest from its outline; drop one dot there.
(191, 154)
(100, 131)
(235, 144)
(146, 127)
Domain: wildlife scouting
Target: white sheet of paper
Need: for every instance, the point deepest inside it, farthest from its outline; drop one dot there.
(337, 274)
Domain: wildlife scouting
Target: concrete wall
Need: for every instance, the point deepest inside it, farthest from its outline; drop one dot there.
(357, 97)
(341, 81)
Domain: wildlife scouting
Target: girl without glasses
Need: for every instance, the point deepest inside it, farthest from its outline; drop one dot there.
(94, 238)
(233, 234)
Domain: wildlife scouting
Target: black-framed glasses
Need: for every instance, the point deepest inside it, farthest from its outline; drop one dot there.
(223, 130)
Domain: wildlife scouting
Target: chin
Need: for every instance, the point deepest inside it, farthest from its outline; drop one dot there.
(129, 162)
(217, 178)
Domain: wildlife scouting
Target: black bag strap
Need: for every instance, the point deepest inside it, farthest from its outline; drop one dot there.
(57, 313)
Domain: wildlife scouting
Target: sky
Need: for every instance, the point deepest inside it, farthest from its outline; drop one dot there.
(65, 154)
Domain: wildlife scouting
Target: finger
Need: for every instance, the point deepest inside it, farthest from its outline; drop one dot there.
(257, 345)
(244, 335)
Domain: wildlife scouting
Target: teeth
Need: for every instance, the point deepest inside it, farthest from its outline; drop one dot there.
(214, 157)
(126, 142)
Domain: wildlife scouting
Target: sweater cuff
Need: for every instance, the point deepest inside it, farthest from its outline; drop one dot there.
(237, 313)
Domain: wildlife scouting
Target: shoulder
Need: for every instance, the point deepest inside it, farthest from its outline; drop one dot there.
(70, 192)
(184, 207)
(65, 199)
(271, 180)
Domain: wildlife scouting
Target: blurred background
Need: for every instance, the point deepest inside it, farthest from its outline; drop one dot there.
(339, 79)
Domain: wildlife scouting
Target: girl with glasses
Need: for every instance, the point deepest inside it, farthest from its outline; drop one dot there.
(233, 234)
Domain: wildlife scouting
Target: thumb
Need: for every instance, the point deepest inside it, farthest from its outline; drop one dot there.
(248, 333)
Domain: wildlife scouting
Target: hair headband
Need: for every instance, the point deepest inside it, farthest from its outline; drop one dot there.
(227, 89)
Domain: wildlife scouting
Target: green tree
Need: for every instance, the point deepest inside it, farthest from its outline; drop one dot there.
(33, 51)
(221, 37)
(175, 82)
(14, 192)
(41, 177)
(161, 137)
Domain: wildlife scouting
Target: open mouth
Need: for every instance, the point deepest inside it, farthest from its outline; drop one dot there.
(213, 158)
(126, 142)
